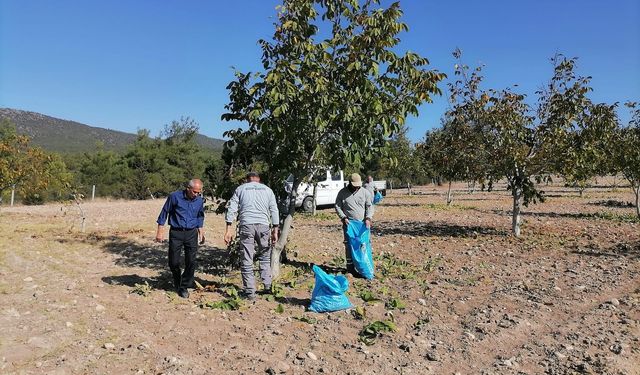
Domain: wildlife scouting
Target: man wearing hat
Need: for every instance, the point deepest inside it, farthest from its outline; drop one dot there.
(353, 203)
(255, 206)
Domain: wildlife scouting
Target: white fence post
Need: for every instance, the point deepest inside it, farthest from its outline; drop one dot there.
(13, 194)
(93, 192)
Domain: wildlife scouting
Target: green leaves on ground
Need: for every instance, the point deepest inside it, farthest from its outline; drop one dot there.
(368, 297)
(371, 331)
(306, 319)
(226, 304)
(359, 313)
(395, 303)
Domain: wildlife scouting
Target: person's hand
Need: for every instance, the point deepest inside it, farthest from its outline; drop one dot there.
(202, 239)
(228, 237)
(367, 223)
(158, 237)
(345, 221)
(274, 235)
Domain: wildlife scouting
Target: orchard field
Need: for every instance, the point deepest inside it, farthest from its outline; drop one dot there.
(455, 292)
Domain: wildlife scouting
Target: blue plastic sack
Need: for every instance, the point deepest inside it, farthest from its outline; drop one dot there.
(360, 246)
(329, 292)
(377, 197)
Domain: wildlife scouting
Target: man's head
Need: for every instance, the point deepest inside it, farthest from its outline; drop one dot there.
(355, 181)
(369, 179)
(253, 177)
(194, 188)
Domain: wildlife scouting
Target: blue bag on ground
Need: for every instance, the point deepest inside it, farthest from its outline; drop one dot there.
(377, 198)
(360, 246)
(329, 292)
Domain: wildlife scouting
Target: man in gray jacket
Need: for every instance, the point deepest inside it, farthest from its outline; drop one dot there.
(255, 206)
(353, 203)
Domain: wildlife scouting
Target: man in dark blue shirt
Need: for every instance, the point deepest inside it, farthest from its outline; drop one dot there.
(185, 211)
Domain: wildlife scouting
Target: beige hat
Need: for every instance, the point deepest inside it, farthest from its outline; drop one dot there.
(355, 180)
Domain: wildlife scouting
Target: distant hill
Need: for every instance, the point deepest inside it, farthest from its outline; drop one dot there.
(54, 134)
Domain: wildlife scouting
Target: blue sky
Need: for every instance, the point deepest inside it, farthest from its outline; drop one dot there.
(129, 64)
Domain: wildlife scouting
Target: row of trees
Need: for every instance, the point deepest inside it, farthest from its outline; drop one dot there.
(151, 166)
(340, 95)
(489, 134)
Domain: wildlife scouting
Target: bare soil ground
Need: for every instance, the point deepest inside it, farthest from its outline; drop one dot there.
(464, 295)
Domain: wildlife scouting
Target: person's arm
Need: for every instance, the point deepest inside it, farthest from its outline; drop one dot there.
(162, 219)
(275, 217)
(368, 210)
(339, 210)
(201, 223)
(232, 210)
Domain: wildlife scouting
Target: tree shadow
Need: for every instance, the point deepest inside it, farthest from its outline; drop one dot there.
(294, 301)
(425, 229)
(631, 251)
(210, 260)
(398, 204)
(612, 203)
(162, 281)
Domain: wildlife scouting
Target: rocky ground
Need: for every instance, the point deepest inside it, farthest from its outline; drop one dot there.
(454, 292)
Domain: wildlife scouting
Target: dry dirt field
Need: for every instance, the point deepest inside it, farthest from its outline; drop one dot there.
(463, 295)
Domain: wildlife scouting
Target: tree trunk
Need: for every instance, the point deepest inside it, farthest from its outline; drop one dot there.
(636, 190)
(315, 195)
(279, 246)
(517, 206)
(449, 195)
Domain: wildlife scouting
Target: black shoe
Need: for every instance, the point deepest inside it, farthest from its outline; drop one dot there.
(248, 296)
(183, 293)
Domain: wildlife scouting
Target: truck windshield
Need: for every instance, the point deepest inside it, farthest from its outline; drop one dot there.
(336, 176)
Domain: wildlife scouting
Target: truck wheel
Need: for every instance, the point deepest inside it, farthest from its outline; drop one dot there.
(383, 192)
(307, 204)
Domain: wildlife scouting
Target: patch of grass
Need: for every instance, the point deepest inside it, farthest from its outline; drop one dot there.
(371, 331)
(444, 207)
(321, 216)
(279, 309)
(432, 263)
(141, 289)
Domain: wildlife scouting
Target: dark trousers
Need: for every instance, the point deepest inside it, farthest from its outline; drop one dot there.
(347, 249)
(178, 240)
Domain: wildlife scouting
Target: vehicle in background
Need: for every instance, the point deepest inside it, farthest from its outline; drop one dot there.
(329, 183)
(381, 186)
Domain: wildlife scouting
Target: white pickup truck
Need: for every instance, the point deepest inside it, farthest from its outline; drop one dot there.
(329, 184)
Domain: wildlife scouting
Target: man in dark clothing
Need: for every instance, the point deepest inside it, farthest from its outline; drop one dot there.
(185, 211)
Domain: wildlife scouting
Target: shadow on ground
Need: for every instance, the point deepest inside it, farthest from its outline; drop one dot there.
(631, 251)
(420, 228)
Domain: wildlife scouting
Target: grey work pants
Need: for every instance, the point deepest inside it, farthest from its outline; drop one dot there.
(250, 234)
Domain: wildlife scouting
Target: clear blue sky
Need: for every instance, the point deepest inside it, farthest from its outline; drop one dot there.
(129, 64)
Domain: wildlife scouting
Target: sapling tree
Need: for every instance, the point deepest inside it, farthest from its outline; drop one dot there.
(627, 151)
(333, 88)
